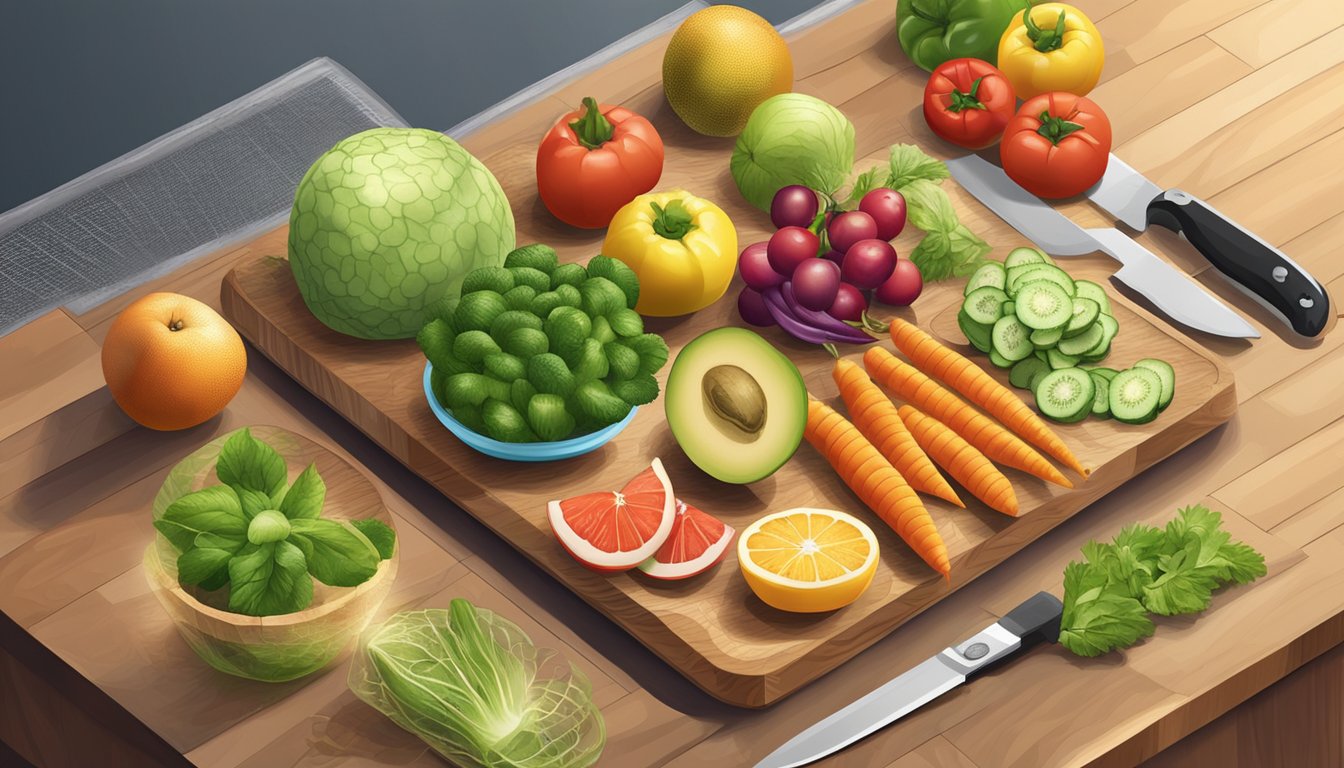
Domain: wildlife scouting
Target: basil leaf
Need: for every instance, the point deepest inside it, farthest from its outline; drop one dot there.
(210, 510)
(248, 462)
(928, 206)
(383, 538)
(908, 163)
(201, 563)
(253, 501)
(337, 553)
(269, 579)
(304, 498)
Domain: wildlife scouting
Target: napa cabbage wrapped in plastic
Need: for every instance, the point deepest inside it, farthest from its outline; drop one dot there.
(473, 686)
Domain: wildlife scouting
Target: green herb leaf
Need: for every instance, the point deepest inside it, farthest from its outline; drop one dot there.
(863, 184)
(940, 255)
(1243, 563)
(269, 579)
(928, 206)
(337, 554)
(1095, 620)
(253, 501)
(250, 463)
(1183, 587)
(210, 510)
(909, 163)
(202, 563)
(304, 498)
(380, 534)
(267, 527)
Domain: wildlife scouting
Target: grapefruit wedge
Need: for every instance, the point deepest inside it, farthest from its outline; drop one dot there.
(698, 541)
(617, 530)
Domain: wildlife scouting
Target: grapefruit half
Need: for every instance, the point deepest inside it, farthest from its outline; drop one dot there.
(617, 530)
(698, 541)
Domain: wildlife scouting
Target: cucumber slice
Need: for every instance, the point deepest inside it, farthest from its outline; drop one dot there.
(1105, 373)
(1085, 312)
(984, 305)
(990, 274)
(1044, 339)
(1066, 395)
(999, 360)
(1043, 305)
(1010, 339)
(1036, 378)
(1109, 325)
(1095, 357)
(1025, 370)
(1046, 272)
(1086, 289)
(1084, 342)
(1043, 356)
(975, 333)
(1009, 307)
(1135, 395)
(1018, 274)
(1164, 372)
(1101, 403)
(1058, 360)
(1019, 256)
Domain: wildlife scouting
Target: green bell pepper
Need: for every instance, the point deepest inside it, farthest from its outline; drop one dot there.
(934, 31)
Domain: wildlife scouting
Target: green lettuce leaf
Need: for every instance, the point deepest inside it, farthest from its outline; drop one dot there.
(336, 553)
(269, 579)
(210, 510)
(247, 462)
(304, 498)
(909, 163)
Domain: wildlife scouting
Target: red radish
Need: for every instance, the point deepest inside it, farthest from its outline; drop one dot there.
(848, 228)
(887, 207)
(793, 206)
(903, 287)
(815, 282)
(849, 304)
(790, 247)
(868, 263)
(616, 531)
(754, 266)
(697, 543)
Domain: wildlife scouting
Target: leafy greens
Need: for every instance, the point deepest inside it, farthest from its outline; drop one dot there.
(264, 538)
(473, 686)
(1166, 571)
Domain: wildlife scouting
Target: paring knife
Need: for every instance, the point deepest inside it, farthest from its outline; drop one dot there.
(1034, 620)
(1169, 289)
(1251, 264)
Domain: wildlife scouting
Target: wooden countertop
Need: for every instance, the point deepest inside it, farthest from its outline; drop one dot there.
(1234, 100)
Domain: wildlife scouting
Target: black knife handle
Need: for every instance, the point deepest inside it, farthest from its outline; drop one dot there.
(1257, 266)
(1037, 617)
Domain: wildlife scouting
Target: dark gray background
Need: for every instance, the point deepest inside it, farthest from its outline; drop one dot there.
(84, 81)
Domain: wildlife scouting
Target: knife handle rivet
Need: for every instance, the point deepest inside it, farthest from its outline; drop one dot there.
(975, 651)
(1280, 274)
(1306, 302)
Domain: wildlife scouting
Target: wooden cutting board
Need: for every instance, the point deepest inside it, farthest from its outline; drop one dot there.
(712, 628)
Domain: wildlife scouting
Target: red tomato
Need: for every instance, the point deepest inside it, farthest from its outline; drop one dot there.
(968, 102)
(595, 160)
(1057, 145)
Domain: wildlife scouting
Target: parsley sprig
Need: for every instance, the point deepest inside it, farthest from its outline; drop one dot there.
(1167, 571)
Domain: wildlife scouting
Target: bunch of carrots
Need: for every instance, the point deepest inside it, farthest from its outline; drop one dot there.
(887, 454)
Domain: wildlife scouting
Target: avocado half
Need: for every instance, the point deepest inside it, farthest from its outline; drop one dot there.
(736, 405)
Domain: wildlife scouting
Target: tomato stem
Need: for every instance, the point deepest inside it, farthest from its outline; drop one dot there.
(1044, 40)
(1056, 128)
(969, 100)
(672, 221)
(593, 129)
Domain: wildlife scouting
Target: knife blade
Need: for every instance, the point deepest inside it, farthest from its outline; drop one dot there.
(1034, 620)
(1256, 267)
(1169, 289)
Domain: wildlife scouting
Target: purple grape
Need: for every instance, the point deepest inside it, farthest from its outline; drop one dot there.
(815, 282)
(754, 266)
(903, 287)
(868, 263)
(849, 228)
(887, 207)
(751, 306)
(849, 303)
(790, 247)
(793, 206)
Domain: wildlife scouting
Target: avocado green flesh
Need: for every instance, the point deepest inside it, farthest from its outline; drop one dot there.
(736, 406)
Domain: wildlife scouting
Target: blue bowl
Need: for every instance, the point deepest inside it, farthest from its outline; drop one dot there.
(552, 451)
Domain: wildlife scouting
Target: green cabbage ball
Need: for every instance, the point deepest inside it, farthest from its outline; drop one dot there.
(387, 223)
(792, 138)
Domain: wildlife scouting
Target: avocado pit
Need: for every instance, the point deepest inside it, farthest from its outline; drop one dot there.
(735, 401)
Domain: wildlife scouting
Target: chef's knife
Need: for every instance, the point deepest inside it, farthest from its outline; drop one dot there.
(1034, 620)
(1253, 265)
(1169, 289)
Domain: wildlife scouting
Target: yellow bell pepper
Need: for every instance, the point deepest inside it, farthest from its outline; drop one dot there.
(1051, 47)
(683, 249)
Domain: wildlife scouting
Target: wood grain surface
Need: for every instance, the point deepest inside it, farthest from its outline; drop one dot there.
(1234, 101)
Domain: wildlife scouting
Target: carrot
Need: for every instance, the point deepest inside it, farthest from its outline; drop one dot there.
(969, 466)
(980, 388)
(925, 394)
(876, 483)
(875, 416)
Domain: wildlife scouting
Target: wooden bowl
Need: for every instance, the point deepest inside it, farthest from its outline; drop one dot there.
(288, 646)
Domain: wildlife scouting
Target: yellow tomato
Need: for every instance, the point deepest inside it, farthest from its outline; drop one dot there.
(683, 249)
(1055, 48)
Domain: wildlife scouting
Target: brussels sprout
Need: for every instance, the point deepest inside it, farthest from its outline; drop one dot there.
(537, 256)
(436, 341)
(473, 346)
(568, 274)
(526, 342)
(470, 389)
(596, 401)
(496, 279)
(545, 302)
(652, 351)
(592, 362)
(549, 374)
(602, 330)
(534, 278)
(511, 320)
(521, 393)
(626, 322)
(505, 367)
(601, 297)
(470, 416)
(504, 423)
(567, 328)
(476, 311)
(624, 361)
(637, 391)
(520, 297)
(569, 296)
(549, 418)
(619, 273)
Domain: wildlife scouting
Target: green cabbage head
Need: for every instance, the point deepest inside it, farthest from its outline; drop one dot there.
(387, 223)
(792, 138)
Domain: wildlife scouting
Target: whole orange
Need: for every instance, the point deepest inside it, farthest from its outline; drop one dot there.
(172, 362)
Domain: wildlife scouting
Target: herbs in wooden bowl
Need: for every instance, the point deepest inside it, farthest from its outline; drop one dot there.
(266, 575)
